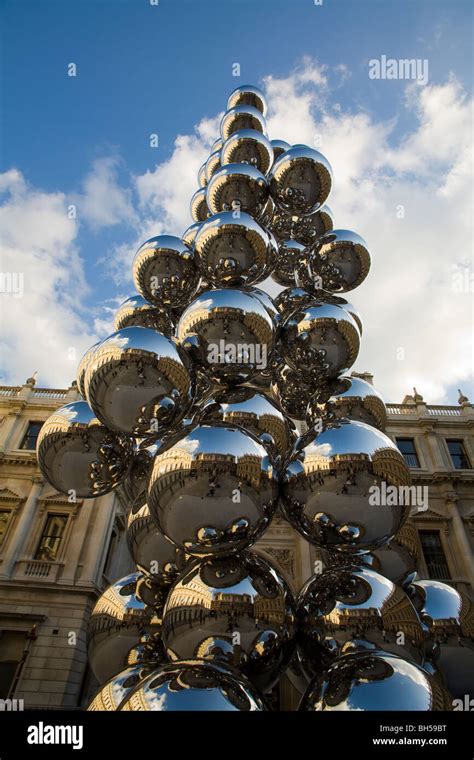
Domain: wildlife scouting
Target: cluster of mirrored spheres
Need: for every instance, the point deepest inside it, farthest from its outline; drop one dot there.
(213, 406)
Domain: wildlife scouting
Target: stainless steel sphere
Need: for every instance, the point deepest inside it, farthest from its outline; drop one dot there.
(152, 552)
(266, 214)
(237, 186)
(198, 204)
(229, 334)
(235, 609)
(217, 144)
(248, 146)
(292, 393)
(308, 229)
(214, 491)
(116, 689)
(117, 621)
(196, 686)
(135, 484)
(335, 488)
(164, 271)
(352, 607)
(300, 180)
(136, 311)
(139, 382)
(202, 178)
(341, 259)
(213, 164)
(349, 397)
(254, 412)
(190, 234)
(248, 95)
(81, 370)
(378, 681)
(267, 302)
(322, 339)
(279, 147)
(289, 252)
(78, 454)
(241, 117)
(291, 299)
(234, 250)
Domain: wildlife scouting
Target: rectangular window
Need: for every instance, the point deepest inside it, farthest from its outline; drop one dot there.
(407, 448)
(12, 645)
(31, 436)
(434, 555)
(50, 542)
(458, 455)
(4, 518)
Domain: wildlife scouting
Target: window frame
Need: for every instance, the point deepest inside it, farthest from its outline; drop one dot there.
(439, 533)
(41, 534)
(417, 453)
(24, 434)
(448, 440)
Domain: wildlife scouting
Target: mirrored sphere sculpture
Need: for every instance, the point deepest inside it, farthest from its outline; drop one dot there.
(229, 334)
(378, 681)
(198, 204)
(117, 621)
(138, 381)
(241, 117)
(349, 397)
(353, 606)
(279, 147)
(213, 164)
(300, 180)
(342, 260)
(291, 392)
(248, 95)
(213, 491)
(164, 271)
(347, 488)
(237, 186)
(321, 339)
(190, 233)
(81, 369)
(235, 609)
(234, 251)
(152, 552)
(78, 455)
(248, 146)
(289, 252)
(194, 685)
(116, 689)
(136, 311)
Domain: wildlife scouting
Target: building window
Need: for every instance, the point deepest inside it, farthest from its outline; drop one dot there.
(434, 555)
(12, 647)
(51, 538)
(458, 455)
(4, 519)
(31, 436)
(407, 448)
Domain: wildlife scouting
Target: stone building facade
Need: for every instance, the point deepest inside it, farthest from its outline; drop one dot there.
(56, 557)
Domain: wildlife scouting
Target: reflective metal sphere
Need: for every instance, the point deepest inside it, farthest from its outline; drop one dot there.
(343, 488)
(117, 688)
(117, 621)
(234, 251)
(267, 302)
(342, 260)
(378, 681)
(248, 146)
(300, 180)
(138, 381)
(293, 298)
(292, 392)
(322, 339)
(198, 204)
(151, 551)
(349, 397)
(248, 95)
(190, 234)
(213, 491)
(213, 164)
(254, 412)
(194, 686)
(135, 485)
(308, 229)
(217, 144)
(350, 607)
(137, 311)
(279, 147)
(164, 271)
(76, 453)
(237, 186)
(265, 215)
(241, 117)
(81, 370)
(202, 178)
(229, 334)
(289, 251)
(235, 609)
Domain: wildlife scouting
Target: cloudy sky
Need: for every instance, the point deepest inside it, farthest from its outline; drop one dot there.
(400, 151)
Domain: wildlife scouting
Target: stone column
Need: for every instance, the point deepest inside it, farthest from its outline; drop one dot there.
(97, 538)
(22, 528)
(8, 427)
(76, 541)
(465, 557)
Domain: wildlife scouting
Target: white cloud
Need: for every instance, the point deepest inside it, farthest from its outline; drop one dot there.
(104, 202)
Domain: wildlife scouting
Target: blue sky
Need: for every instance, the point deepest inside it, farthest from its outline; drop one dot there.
(143, 69)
